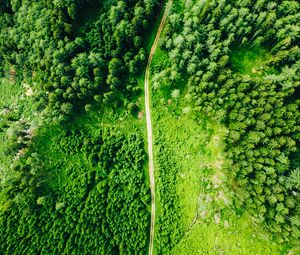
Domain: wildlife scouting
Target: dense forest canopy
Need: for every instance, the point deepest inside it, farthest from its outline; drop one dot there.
(68, 63)
(73, 183)
(93, 196)
(100, 207)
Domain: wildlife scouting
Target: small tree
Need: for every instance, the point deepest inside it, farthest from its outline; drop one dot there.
(175, 94)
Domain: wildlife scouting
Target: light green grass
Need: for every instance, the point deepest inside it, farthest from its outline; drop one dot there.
(251, 61)
(9, 92)
(240, 238)
(195, 146)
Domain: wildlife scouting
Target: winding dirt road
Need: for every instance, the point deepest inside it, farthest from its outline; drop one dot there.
(149, 127)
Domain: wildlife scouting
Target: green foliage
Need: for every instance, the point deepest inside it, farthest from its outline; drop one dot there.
(71, 190)
(69, 61)
(170, 227)
(179, 145)
(242, 60)
(81, 189)
(252, 62)
(101, 205)
(192, 189)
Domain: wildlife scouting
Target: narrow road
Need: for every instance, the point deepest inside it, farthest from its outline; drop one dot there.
(149, 128)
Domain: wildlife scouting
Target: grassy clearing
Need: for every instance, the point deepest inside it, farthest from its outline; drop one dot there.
(195, 146)
(252, 61)
(18, 98)
(238, 236)
(14, 104)
(9, 91)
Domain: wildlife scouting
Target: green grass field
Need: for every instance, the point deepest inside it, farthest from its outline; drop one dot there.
(251, 61)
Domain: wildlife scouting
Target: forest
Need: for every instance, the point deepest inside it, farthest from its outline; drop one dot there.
(241, 64)
(225, 107)
(94, 197)
(97, 208)
(69, 61)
